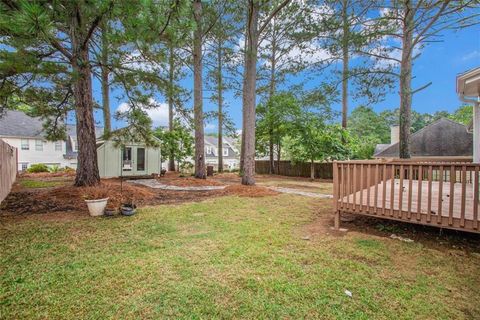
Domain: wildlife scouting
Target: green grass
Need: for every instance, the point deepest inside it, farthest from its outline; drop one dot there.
(225, 258)
(40, 183)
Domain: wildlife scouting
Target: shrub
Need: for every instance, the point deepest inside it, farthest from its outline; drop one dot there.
(55, 168)
(38, 167)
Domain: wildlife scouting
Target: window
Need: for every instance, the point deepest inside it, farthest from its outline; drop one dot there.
(209, 150)
(225, 152)
(25, 144)
(58, 145)
(140, 159)
(38, 145)
(24, 166)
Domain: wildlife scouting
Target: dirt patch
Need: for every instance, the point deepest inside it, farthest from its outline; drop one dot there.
(434, 238)
(249, 191)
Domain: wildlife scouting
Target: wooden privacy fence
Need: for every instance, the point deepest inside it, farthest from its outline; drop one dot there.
(8, 168)
(441, 194)
(323, 170)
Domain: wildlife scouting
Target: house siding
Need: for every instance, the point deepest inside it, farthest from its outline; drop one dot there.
(48, 155)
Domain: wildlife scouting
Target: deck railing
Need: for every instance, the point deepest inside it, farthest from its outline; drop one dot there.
(443, 194)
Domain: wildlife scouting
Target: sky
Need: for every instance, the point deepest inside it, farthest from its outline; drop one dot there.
(439, 63)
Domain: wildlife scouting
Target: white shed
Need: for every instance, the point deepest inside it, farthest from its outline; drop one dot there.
(132, 159)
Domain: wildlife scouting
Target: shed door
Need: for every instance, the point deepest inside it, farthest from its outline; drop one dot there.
(127, 161)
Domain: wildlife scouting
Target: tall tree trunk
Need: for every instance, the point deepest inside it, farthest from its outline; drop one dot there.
(105, 85)
(271, 167)
(345, 54)
(220, 107)
(198, 92)
(171, 69)
(406, 81)
(242, 142)
(279, 152)
(273, 61)
(248, 177)
(87, 167)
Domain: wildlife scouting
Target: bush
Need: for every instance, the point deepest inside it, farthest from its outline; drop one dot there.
(55, 169)
(38, 167)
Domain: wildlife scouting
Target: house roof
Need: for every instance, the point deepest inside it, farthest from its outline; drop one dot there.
(468, 83)
(18, 124)
(213, 141)
(442, 138)
(72, 131)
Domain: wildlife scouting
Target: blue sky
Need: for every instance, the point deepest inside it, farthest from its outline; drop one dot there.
(439, 63)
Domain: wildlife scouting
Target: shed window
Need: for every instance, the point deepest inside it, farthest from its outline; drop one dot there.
(38, 145)
(25, 144)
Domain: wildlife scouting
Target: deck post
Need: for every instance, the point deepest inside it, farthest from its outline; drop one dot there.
(336, 189)
(336, 222)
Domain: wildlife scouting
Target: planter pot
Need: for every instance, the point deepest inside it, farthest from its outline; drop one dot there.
(110, 212)
(96, 207)
(127, 210)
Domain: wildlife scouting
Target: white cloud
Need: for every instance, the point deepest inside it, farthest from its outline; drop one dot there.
(471, 55)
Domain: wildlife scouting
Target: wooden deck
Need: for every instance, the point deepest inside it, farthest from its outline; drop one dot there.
(444, 195)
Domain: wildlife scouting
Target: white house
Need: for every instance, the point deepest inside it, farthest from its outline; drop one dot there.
(231, 154)
(27, 135)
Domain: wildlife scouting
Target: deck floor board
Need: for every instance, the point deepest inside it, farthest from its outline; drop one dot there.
(435, 195)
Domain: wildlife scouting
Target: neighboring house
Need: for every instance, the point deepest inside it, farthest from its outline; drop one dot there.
(71, 144)
(27, 135)
(231, 154)
(442, 138)
(134, 159)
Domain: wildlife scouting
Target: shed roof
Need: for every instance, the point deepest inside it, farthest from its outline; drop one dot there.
(442, 138)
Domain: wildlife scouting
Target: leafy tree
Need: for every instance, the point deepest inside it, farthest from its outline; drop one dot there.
(314, 140)
(463, 114)
(46, 59)
(220, 53)
(346, 27)
(275, 120)
(177, 142)
(254, 30)
(410, 26)
(365, 122)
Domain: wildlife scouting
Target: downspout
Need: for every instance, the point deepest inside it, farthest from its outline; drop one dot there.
(476, 125)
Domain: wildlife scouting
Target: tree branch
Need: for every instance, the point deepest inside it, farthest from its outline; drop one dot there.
(95, 24)
(272, 14)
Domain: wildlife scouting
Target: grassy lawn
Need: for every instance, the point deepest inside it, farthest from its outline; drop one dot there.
(227, 257)
(27, 183)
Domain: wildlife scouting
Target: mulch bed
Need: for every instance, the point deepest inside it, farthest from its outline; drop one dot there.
(188, 182)
(69, 198)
